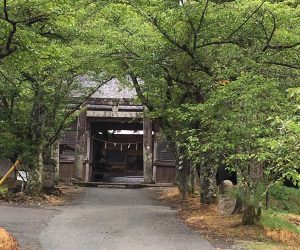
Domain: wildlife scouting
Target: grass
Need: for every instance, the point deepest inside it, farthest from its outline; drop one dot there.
(282, 227)
(3, 190)
(282, 221)
(273, 220)
(248, 245)
(284, 199)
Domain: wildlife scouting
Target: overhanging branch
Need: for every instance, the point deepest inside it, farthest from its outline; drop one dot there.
(246, 20)
(282, 47)
(140, 92)
(286, 65)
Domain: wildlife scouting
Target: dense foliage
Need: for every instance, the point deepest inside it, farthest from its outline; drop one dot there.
(222, 77)
(218, 73)
(39, 62)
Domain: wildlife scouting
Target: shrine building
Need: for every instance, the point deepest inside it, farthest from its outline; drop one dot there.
(112, 137)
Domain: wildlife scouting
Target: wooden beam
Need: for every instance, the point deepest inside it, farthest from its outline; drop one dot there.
(10, 171)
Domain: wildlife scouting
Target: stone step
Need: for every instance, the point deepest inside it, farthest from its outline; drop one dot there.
(120, 185)
(112, 186)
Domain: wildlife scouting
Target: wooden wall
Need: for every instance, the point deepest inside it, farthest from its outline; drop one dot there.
(165, 174)
(67, 170)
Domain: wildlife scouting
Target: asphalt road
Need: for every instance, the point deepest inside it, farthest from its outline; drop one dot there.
(102, 219)
(26, 223)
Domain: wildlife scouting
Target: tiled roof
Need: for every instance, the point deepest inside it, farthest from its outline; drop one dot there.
(111, 90)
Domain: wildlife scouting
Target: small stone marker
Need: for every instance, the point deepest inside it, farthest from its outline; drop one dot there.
(226, 201)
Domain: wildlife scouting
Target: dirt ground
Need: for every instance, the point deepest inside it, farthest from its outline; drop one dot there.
(216, 227)
(7, 241)
(64, 192)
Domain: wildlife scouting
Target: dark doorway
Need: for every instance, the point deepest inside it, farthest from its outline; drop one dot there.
(117, 150)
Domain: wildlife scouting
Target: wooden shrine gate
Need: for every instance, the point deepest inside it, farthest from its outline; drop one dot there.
(113, 137)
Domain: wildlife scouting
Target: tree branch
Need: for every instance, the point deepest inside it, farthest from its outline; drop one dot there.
(247, 19)
(202, 16)
(8, 50)
(218, 43)
(52, 139)
(272, 33)
(282, 47)
(140, 92)
(183, 48)
(283, 65)
(166, 35)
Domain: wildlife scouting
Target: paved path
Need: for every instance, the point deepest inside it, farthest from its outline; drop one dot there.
(26, 223)
(110, 219)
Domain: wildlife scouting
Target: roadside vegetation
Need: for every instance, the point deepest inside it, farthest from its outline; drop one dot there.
(285, 199)
(277, 230)
(221, 78)
(3, 190)
(64, 193)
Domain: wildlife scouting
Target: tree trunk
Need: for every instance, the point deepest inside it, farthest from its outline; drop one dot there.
(48, 170)
(38, 119)
(238, 205)
(183, 174)
(35, 182)
(185, 179)
(208, 189)
(42, 171)
(250, 216)
(267, 200)
(147, 150)
(192, 179)
(80, 145)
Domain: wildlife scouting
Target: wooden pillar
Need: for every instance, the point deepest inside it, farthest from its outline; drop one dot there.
(91, 159)
(155, 156)
(88, 152)
(80, 147)
(147, 150)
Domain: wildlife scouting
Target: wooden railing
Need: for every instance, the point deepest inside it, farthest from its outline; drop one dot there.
(9, 172)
